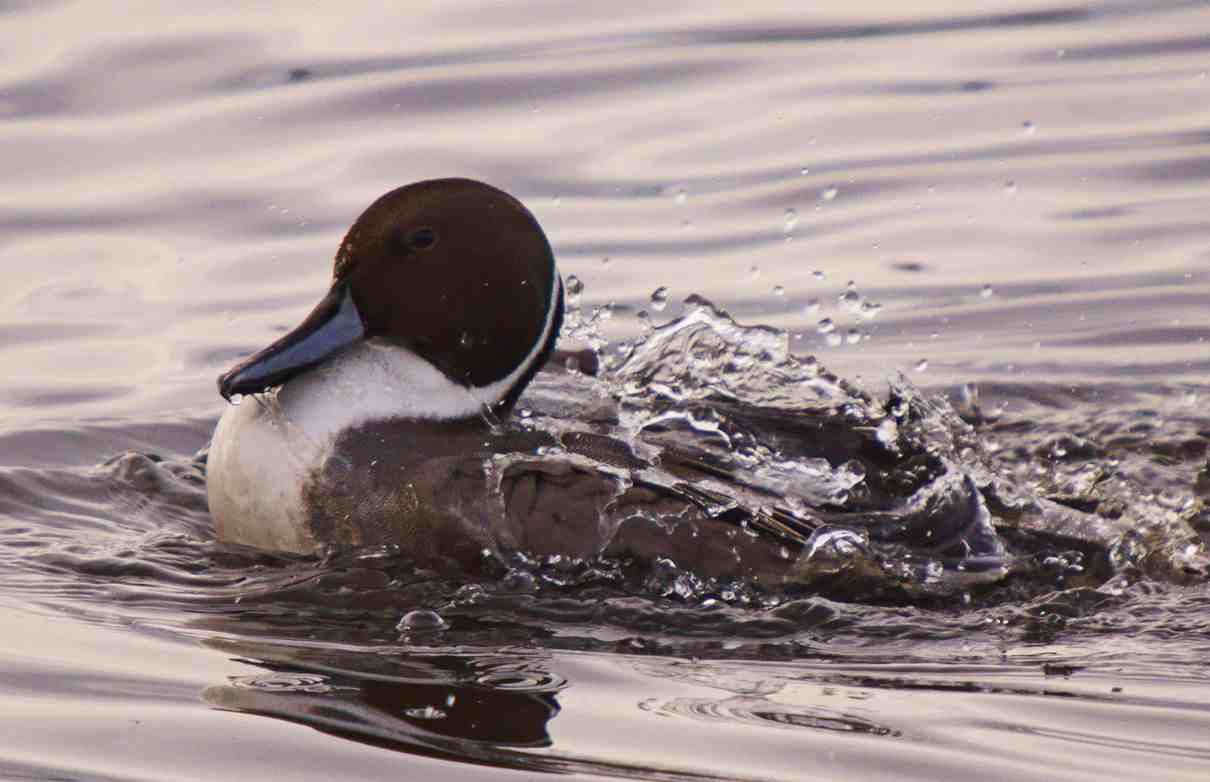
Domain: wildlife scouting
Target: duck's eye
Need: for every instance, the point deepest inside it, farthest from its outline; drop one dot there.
(422, 238)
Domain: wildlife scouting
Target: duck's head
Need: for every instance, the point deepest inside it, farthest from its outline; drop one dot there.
(453, 270)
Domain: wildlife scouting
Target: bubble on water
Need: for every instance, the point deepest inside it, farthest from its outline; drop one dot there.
(421, 620)
(573, 288)
(791, 220)
(826, 326)
(987, 292)
(818, 275)
(921, 365)
(659, 299)
(829, 193)
(811, 307)
(754, 271)
(284, 682)
(518, 581)
(1028, 127)
(779, 290)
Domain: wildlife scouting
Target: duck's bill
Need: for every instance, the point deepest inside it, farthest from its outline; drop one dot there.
(332, 326)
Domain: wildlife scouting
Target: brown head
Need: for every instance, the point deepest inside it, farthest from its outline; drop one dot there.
(456, 271)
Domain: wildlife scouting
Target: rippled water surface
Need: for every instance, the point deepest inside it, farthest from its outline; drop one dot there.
(988, 219)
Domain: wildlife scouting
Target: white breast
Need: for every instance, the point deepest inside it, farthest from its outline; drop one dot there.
(266, 448)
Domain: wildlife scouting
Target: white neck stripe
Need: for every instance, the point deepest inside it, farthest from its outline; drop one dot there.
(492, 393)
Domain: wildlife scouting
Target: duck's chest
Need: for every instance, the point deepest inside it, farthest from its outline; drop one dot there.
(353, 437)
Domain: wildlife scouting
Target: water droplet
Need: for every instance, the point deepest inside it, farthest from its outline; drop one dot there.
(811, 307)
(804, 171)
(791, 220)
(421, 620)
(826, 326)
(1028, 127)
(680, 195)
(850, 300)
(818, 275)
(853, 337)
(921, 365)
(659, 299)
(606, 261)
(1010, 187)
(829, 193)
(644, 320)
(833, 340)
(573, 288)
(236, 399)
(572, 364)
(987, 292)
(466, 340)
(778, 290)
(869, 310)
(754, 271)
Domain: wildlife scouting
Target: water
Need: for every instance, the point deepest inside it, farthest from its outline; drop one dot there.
(1016, 191)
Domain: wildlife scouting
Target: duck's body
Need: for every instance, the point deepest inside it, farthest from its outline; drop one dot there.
(336, 457)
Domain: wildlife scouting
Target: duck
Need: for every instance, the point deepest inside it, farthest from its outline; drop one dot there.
(386, 418)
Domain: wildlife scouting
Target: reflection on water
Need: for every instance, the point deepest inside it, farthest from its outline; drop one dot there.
(1005, 203)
